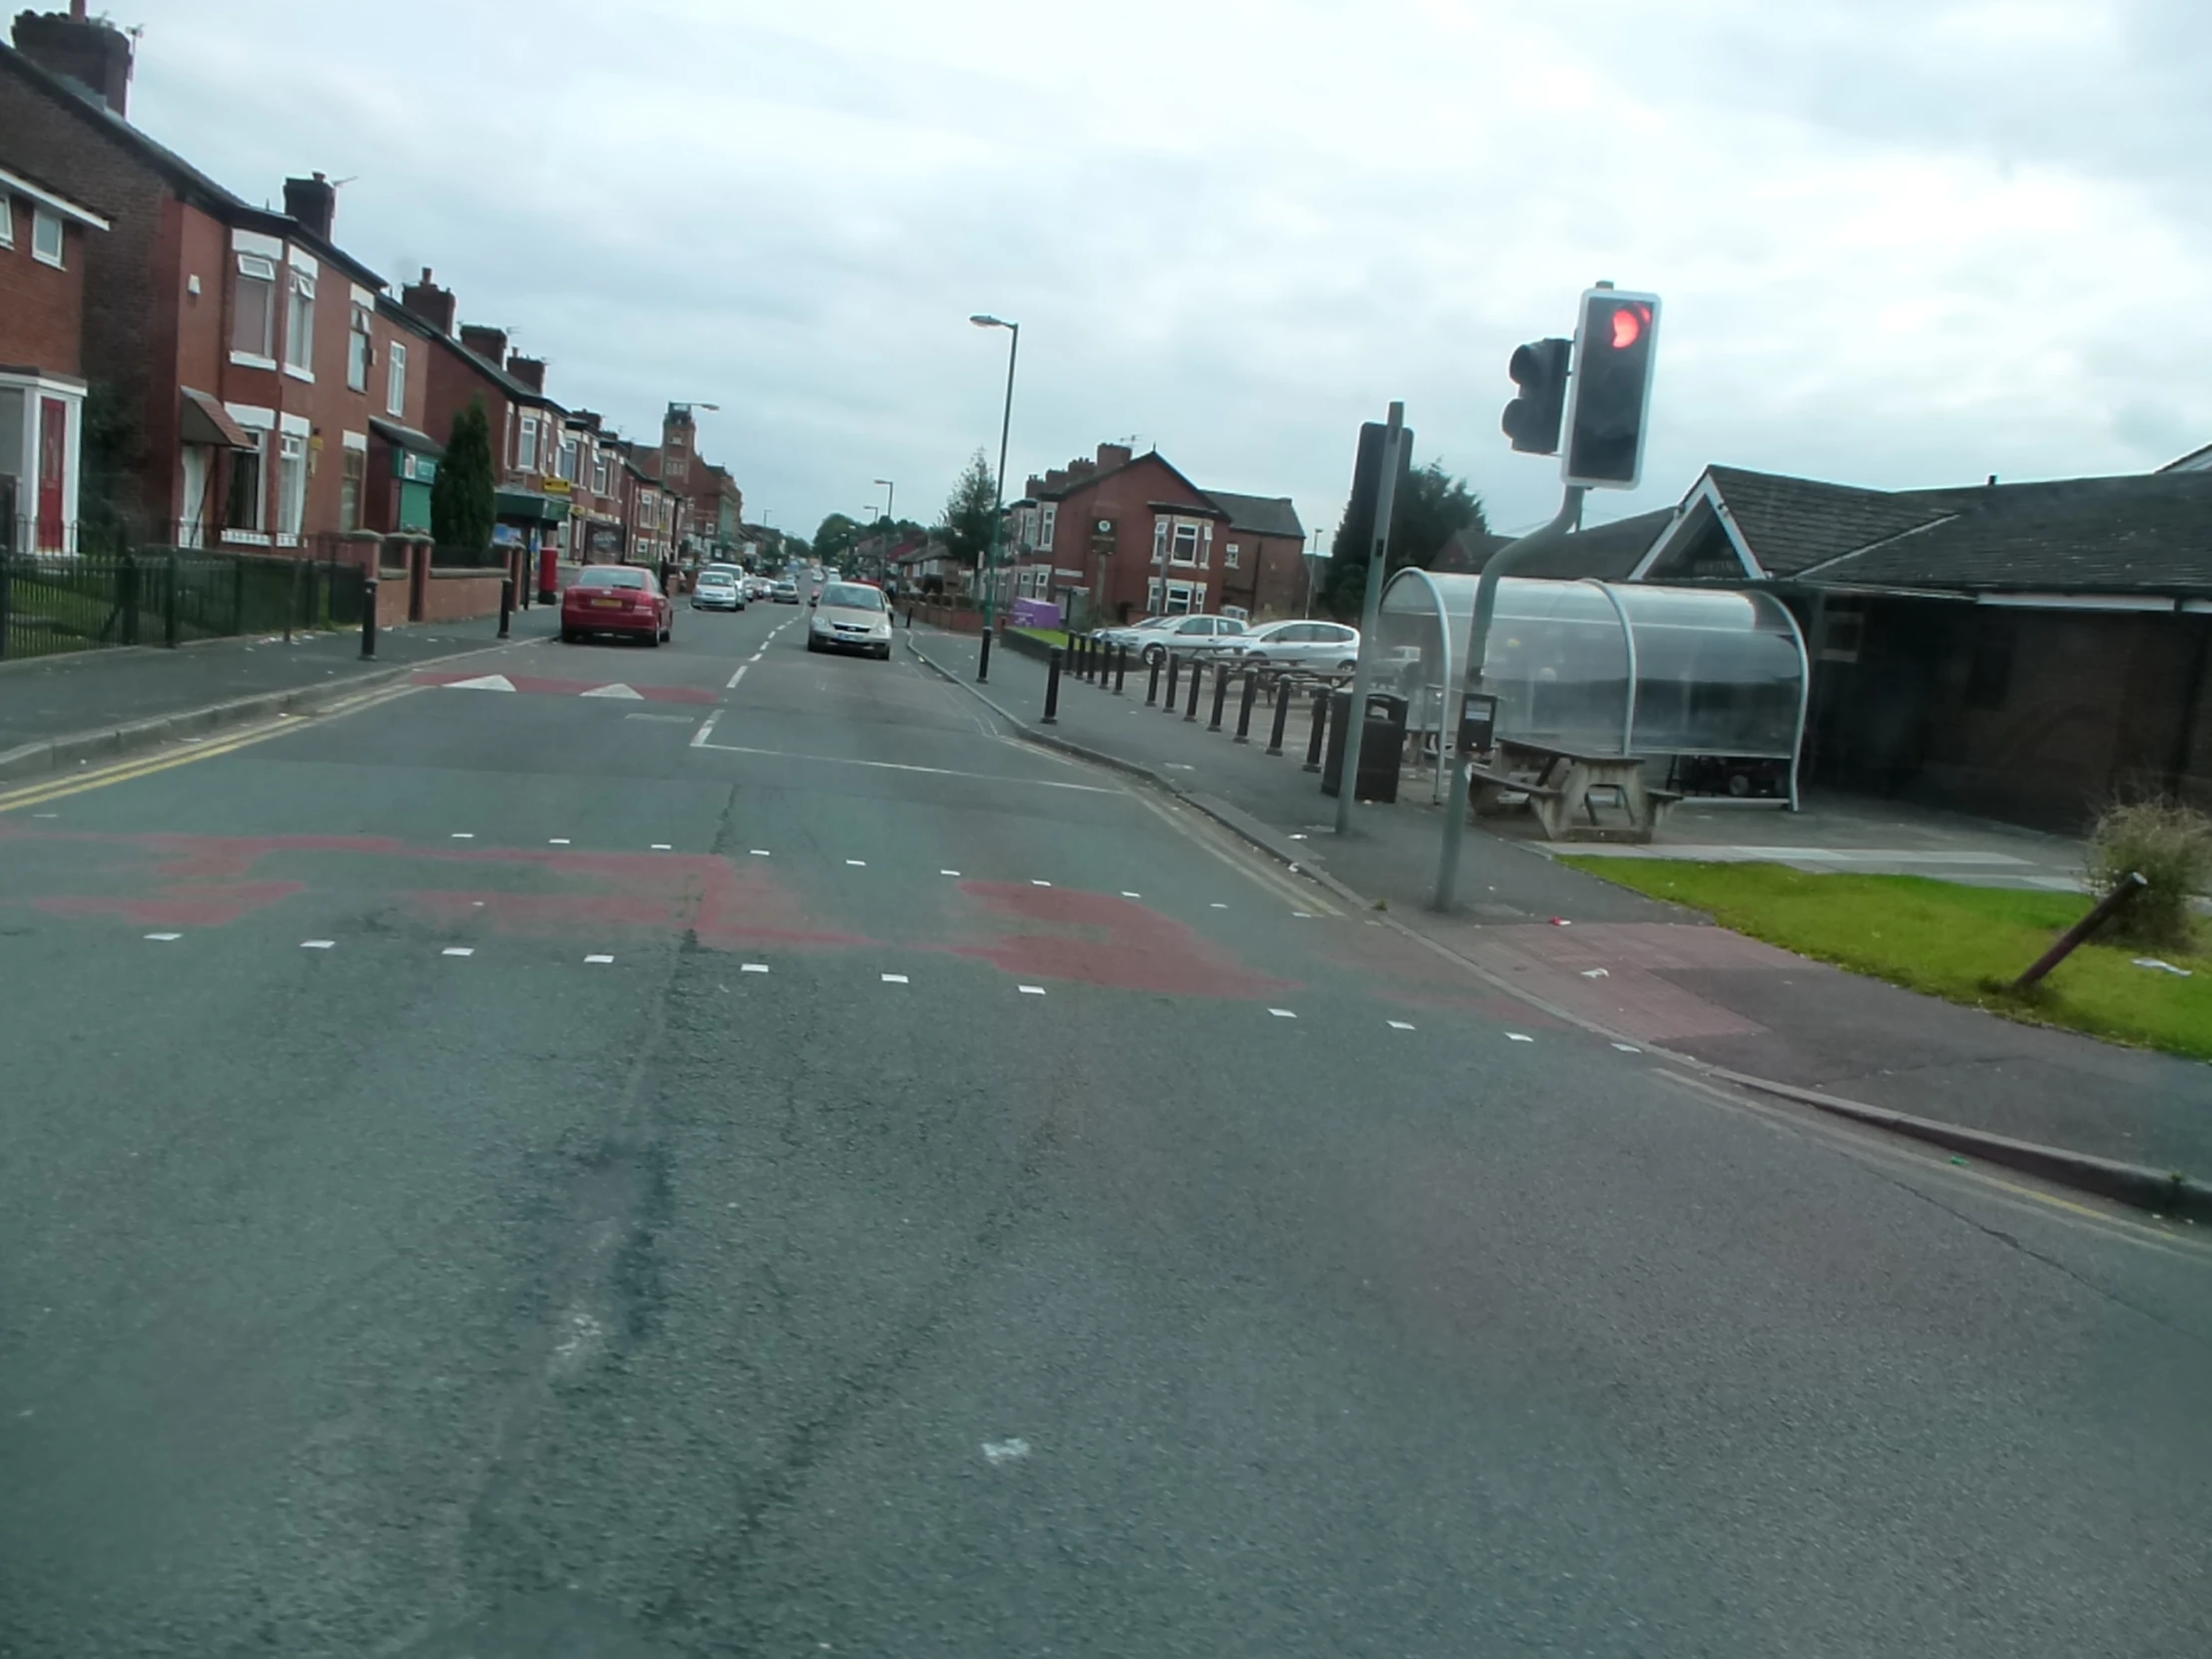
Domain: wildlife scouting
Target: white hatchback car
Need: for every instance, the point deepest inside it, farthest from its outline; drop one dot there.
(1154, 638)
(1326, 647)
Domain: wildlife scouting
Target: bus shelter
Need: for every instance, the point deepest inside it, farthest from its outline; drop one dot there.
(1711, 682)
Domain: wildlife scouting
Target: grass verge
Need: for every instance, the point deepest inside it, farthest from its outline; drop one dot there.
(1050, 635)
(1959, 942)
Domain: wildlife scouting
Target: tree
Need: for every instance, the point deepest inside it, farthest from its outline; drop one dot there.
(461, 505)
(837, 535)
(1432, 508)
(969, 510)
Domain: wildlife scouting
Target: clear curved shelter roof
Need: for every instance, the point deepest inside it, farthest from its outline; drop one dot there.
(1606, 666)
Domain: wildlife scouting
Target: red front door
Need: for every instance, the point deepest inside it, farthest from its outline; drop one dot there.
(53, 431)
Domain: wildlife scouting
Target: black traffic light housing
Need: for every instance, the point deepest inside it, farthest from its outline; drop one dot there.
(1532, 419)
(1367, 486)
(1609, 400)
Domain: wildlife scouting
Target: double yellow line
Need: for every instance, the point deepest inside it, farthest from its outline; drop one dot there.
(145, 766)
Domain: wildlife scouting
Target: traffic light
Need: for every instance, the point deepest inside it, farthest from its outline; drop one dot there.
(1532, 420)
(1610, 396)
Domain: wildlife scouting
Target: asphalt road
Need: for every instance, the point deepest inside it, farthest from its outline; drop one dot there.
(761, 1163)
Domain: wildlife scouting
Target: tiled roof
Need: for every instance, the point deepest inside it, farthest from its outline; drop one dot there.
(1606, 551)
(1791, 524)
(1263, 515)
(2148, 533)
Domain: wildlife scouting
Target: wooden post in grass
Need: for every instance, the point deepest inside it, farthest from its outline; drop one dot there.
(2106, 909)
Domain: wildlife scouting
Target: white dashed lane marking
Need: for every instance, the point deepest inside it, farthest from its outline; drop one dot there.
(464, 835)
(319, 944)
(558, 841)
(663, 846)
(1515, 1037)
(1033, 991)
(753, 967)
(1132, 896)
(894, 979)
(857, 863)
(1282, 1013)
(459, 950)
(761, 853)
(1040, 884)
(1399, 1025)
(165, 938)
(949, 872)
(598, 959)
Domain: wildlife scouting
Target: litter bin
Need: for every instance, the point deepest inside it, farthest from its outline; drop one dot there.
(1382, 742)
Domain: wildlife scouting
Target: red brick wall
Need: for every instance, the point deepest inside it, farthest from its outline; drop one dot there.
(42, 311)
(1126, 498)
(452, 596)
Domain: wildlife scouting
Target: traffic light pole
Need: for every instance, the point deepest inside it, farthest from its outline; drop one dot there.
(1501, 564)
(1371, 608)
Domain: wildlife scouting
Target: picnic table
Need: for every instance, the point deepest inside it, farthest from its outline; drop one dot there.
(1555, 787)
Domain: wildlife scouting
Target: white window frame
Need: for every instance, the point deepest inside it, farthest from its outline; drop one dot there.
(291, 487)
(1049, 527)
(526, 443)
(1236, 612)
(395, 380)
(1159, 543)
(1192, 596)
(252, 267)
(353, 472)
(299, 325)
(41, 221)
(1230, 560)
(602, 475)
(361, 348)
(7, 220)
(568, 462)
(257, 533)
(1176, 546)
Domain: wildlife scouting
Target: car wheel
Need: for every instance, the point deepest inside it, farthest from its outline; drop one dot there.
(1155, 655)
(1347, 666)
(568, 636)
(882, 653)
(812, 644)
(1254, 659)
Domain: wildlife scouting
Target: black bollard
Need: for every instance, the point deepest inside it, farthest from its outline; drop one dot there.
(1121, 668)
(1198, 677)
(368, 619)
(506, 606)
(1152, 686)
(1244, 706)
(983, 659)
(1052, 689)
(1282, 716)
(1320, 729)
(1175, 667)
(1220, 695)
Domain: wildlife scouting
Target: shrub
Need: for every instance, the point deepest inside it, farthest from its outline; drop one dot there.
(2171, 847)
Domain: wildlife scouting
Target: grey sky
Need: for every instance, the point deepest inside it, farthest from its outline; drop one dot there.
(1900, 242)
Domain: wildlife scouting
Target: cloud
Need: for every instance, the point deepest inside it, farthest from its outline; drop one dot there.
(1899, 243)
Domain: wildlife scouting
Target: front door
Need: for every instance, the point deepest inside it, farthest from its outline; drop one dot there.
(53, 436)
(191, 527)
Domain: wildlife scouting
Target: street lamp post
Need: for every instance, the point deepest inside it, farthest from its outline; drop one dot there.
(1005, 429)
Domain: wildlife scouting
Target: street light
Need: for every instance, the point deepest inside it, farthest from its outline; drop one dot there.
(983, 320)
(890, 494)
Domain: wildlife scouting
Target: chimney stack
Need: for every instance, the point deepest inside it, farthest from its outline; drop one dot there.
(486, 342)
(1034, 488)
(529, 370)
(430, 303)
(1114, 454)
(92, 52)
(313, 201)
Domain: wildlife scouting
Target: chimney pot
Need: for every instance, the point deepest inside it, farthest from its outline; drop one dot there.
(89, 51)
(433, 304)
(312, 202)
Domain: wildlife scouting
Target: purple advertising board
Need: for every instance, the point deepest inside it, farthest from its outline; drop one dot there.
(1037, 613)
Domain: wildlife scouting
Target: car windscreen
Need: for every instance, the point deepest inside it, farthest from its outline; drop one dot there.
(850, 596)
(606, 577)
(716, 579)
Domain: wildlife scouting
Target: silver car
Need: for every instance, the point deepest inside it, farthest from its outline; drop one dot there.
(1325, 646)
(1155, 637)
(718, 589)
(850, 616)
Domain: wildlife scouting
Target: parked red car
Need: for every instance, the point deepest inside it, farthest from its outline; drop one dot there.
(615, 599)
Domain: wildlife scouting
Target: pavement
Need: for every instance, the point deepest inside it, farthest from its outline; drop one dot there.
(1655, 973)
(718, 1150)
(50, 702)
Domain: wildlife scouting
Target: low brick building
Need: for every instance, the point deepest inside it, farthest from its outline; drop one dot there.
(45, 244)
